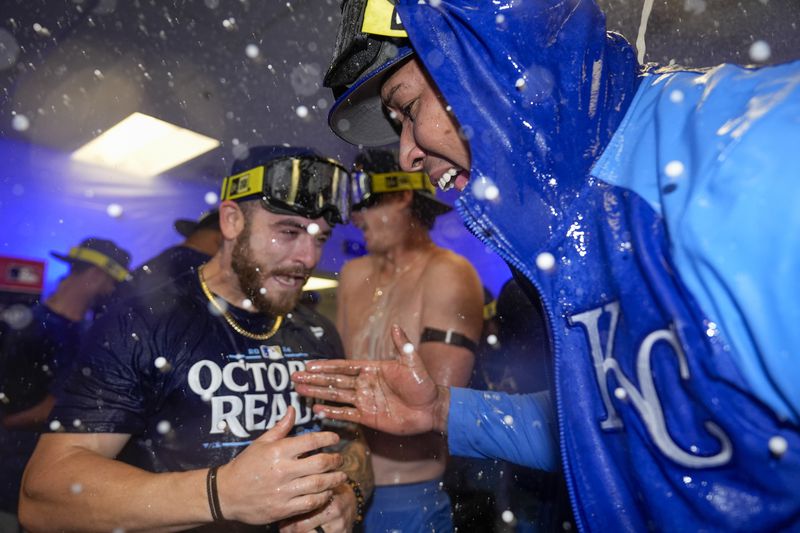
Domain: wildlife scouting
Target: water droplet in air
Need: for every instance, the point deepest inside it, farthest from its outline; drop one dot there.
(760, 51)
(163, 427)
(9, 49)
(778, 445)
(211, 198)
(114, 210)
(674, 169)
(20, 123)
(17, 316)
(313, 228)
(546, 261)
(507, 516)
(252, 51)
(408, 348)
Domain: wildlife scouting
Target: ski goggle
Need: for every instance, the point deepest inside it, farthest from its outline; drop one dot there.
(365, 186)
(307, 186)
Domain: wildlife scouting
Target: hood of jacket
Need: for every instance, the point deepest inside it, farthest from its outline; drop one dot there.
(538, 87)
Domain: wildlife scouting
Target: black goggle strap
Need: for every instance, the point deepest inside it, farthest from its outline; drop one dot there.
(448, 337)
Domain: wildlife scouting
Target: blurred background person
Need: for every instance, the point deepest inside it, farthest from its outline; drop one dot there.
(435, 295)
(35, 357)
(202, 239)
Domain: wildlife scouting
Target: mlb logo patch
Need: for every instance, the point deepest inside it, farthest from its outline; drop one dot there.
(273, 353)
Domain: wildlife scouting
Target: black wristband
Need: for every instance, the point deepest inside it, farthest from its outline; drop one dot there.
(359, 499)
(213, 495)
(447, 337)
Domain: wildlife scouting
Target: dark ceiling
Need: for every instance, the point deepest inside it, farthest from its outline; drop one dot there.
(237, 71)
(244, 71)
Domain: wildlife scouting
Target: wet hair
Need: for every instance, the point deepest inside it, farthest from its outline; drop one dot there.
(421, 208)
(248, 207)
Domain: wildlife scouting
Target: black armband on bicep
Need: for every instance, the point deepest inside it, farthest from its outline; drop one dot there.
(447, 337)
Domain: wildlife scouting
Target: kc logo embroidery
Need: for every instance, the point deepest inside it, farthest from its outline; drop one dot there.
(645, 401)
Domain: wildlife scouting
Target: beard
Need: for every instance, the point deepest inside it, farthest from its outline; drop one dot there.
(251, 274)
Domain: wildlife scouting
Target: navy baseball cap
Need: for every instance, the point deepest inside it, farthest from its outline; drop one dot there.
(102, 253)
(358, 115)
(370, 44)
(209, 219)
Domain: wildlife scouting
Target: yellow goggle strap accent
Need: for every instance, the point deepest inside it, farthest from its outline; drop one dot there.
(490, 310)
(401, 181)
(247, 183)
(111, 267)
(380, 18)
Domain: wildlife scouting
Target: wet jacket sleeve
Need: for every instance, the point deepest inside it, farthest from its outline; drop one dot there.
(516, 428)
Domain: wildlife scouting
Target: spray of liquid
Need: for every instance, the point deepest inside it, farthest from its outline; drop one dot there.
(641, 47)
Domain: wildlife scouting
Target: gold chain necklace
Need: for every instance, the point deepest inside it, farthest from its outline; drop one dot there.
(230, 320)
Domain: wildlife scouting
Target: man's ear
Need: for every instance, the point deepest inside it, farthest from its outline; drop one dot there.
(231, 220)
(407, 198)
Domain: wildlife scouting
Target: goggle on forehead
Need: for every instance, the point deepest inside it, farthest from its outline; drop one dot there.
(307, 186)
(366, 185)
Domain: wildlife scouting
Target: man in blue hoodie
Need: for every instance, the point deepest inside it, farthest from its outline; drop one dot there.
(639, 205)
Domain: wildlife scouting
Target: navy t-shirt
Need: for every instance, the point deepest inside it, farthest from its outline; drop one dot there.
(190, 391)
(32, 358)
(160, 270)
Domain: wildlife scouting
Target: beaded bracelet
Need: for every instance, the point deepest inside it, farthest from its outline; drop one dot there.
(213, 495)
(359, 500)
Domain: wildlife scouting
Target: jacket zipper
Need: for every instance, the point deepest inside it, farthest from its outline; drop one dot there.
(480, 230)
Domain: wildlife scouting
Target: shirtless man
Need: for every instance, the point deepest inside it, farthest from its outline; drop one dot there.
(435, 295)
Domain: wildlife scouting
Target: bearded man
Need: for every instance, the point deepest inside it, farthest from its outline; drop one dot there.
(180, 409)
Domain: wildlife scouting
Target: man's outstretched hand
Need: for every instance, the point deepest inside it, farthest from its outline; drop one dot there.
(395, 396)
